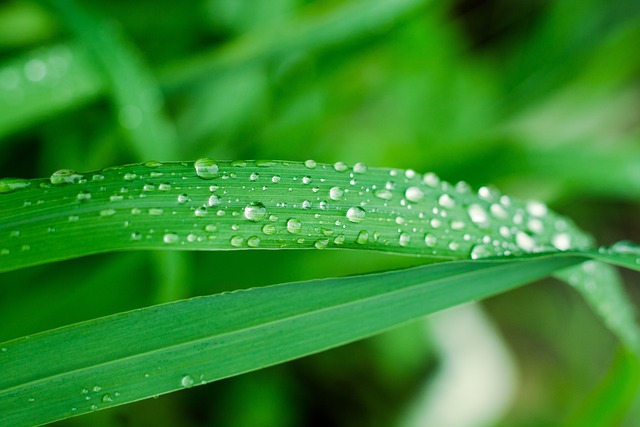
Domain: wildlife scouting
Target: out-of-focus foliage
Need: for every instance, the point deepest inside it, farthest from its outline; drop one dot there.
(538, 97)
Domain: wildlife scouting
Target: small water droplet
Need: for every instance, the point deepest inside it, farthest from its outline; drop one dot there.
(414, 194)
(165, 186)
(562, 241)
(294, 226)
(275, 179)
(478, 215)
(255, 211)
(462, 187)
(311, 164)
(340, 239)
(446, 201)
(480, 251)
(237, 241)
(206, 168)
(524, 241)
(170, 238)
(306, 179)
(214, 200)
(129, 176)
(536, 208)
(306, 204)
(383, 194)
(435, 223)
(210, 228)
(340, 166)
(321, 243)
(458, 225)
(430, 240)
(11, 184)
(107, 398)
(94, 407)
(336, 193)
(431, 179)
(356, 214)
(65, 176)
(201, 211)
(154, 211)
(183, 198)
(107, 212)
(359, 168)
(363, 237)
(269, 229)
(254, 176)
(404, 239)
(97, 388)
(535, 225)
(253, 241)
(84, 196)
(148, 187)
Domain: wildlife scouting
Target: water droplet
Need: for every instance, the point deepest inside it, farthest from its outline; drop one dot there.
(129, 176)
(383, 194)
(535, 225)
(155, 211)
(269, 229)
(356, 214)
(275, 179)
(404, 239)
(562, 241)
(321, 243)
(107, 398)
(478, 215)
(84, 196)
(435, 223)
(498, 211)
(97, 388)
(183, 198)
(306, 204)
(206, 168)
(462, 187)
(306, 179)
(255, 211)
(340, 166)
(430, 240)
(73, 218)
(414, 194)
(214, 200)
(107, 212)
(458, 225)
(170, 238)
(201, 211)
(524, 241)
(336, 193)
(536, 208)
(480, 251)
(359, 168)
(253, 241)
(363, 237)
(446, 201)
(294, 225)
(431, 179)
(254, 176)
(148, 187)
(11, 184)
(340, 239)
(210, 228)
(94, 407)
(454, 246)
(237, 241)
(311, 164)
(65, 176)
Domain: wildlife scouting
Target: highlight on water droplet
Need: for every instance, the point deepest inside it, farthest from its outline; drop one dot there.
(206, 168)
(356, 214)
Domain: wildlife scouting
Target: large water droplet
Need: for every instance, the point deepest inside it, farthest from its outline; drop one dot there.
(269, 229)
(524, 241)
(255, 211)
(446, 201)
(65, 176)
(363, 237)
(311, 164)
(359, 167)
(480, 251)
(340, 166)
(536, 208)
(294, 226)
(404, 239)
(336, 193)
(206, 168)
(253, 241)
(236, 241)
(414, 194)
(430, 240)
(356, 214)
(562, 241)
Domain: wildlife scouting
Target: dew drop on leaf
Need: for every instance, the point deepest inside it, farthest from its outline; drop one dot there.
(356, 214)
(170, 238)
(359, 167)
(294, 226)
(336, 193)
(255, 211)
(65, 176)
(206, 168)
(11, 184)
(414, 194)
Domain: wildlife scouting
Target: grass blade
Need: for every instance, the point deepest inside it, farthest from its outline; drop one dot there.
(138, 354)
(224, 205)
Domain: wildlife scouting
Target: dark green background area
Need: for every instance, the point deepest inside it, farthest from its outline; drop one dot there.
(540, 98)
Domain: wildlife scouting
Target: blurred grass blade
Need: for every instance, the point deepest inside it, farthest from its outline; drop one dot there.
(139, 354)
(209, 205)
(44, 82)
(137, 99)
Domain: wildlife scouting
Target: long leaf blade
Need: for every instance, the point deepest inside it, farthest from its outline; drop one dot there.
(115, 360)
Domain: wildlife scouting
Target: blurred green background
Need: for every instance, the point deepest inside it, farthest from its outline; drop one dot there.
(540, 98)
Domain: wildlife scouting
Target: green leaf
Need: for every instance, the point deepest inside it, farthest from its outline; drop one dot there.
(222, 205)
(142, 353)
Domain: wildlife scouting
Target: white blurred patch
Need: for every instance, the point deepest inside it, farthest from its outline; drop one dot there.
(476, 380)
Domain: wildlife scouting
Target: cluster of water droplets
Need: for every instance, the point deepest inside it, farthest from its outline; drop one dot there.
(269, 204)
